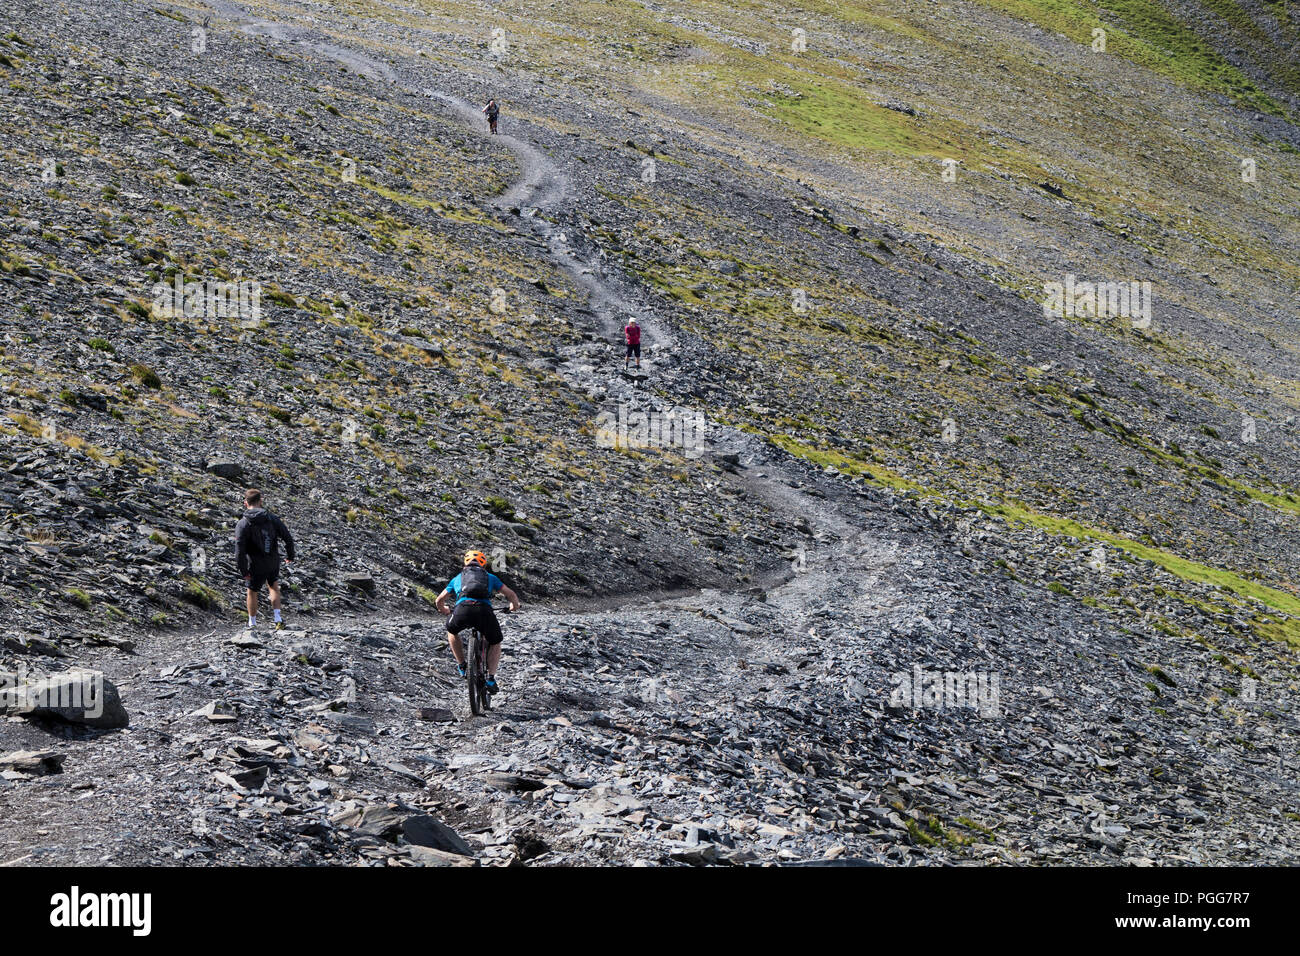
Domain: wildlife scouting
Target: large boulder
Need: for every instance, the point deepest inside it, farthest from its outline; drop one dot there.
(230, 470)
(78, 697)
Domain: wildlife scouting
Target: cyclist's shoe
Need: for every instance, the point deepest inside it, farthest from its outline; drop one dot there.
(460, 670)
(491, 684)
(279, 625)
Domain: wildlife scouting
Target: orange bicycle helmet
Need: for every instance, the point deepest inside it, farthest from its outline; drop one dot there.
(478, 557)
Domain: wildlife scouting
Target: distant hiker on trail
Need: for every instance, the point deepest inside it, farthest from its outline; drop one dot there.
(492, 111)
(473, 589)
(257, 553)
(632, 335)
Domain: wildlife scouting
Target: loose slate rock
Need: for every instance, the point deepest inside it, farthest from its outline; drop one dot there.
(349, 723)
(35, 763)
(215, 712)
(423, 830)
(374, 821)
(509, 781)
(438, 715)
(428, 856)
(393, 824)
(360, 581)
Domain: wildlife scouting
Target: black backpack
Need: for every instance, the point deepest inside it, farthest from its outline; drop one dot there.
(474, 583)
(260, 536)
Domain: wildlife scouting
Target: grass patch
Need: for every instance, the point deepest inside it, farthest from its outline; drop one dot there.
(145, 376)
(1287, 631)
(846, 465)
(1144, 32)
(838, 113)
(1284, 629)
(200, 595)
(501, 507)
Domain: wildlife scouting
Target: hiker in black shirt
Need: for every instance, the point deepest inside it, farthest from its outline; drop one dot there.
(257, 553)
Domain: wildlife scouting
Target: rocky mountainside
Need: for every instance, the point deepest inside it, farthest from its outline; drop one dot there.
(898, 548)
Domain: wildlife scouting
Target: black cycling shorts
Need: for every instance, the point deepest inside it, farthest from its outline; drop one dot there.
(263, 572)
(475, 614)
(634, 350)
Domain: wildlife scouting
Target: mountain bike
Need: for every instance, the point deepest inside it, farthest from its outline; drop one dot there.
(476, 657)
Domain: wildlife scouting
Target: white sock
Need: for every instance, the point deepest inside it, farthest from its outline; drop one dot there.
(276, 611)
(252, 620)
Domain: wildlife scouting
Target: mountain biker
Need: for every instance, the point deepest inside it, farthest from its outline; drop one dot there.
(632, 335)
(492, 110)
(473, 589)
(257, 553)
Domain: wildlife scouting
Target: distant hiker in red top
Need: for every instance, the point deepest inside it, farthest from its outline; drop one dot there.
(632, 333)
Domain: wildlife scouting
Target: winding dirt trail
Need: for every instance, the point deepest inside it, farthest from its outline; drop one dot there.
(838, 557)
(543, 188)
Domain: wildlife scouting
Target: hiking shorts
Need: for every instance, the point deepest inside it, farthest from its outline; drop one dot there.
(634, 350)
(262, 573)
(475, 614)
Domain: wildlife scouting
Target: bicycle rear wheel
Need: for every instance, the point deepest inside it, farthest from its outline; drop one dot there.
(485, 699)
(473, 671)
